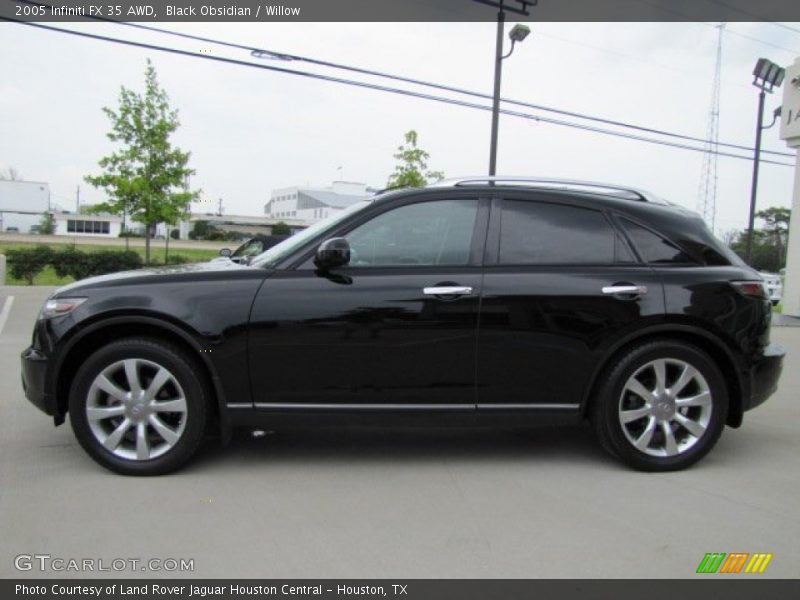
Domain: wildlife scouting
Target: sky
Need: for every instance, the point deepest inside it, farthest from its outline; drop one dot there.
(250, 131)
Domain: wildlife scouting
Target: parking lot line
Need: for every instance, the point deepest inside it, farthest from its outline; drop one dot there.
(5, 312)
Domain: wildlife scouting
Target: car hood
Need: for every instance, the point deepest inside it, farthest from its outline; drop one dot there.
(147, 272)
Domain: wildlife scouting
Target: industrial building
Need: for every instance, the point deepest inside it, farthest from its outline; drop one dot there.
(309, 205)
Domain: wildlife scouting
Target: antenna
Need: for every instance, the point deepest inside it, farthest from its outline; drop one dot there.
(707, 191)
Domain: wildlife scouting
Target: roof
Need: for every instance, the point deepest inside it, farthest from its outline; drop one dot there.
(551, 183)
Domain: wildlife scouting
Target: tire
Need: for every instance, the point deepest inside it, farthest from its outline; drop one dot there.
(149, 427)
(633, 414)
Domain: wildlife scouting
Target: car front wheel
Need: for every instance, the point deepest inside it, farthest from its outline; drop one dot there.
(138, 408)
(662, 407)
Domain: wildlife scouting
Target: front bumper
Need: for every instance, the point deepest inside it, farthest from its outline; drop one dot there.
(34, 373)
(764, 375)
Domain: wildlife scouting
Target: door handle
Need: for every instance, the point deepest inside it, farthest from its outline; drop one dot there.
(614, 290)
(448, 290)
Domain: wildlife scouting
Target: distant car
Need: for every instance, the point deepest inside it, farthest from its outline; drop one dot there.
(252, 247)
(774, 286)
(12, 229)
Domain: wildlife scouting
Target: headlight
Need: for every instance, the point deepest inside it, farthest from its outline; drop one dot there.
(58, 307)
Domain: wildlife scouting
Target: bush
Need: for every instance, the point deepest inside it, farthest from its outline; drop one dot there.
(79, 265)
(27, 263)
(71, 262)
(177, 259)
(281, 228)
(111, 261)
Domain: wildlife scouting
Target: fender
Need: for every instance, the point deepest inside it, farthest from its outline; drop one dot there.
(666, 328)
(157, 320)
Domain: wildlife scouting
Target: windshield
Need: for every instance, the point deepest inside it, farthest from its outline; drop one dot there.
(286, 247)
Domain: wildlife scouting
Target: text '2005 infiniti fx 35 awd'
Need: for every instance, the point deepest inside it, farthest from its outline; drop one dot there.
(476, 301)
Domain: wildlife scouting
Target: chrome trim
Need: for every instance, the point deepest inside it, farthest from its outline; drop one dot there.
(379, 407)
(529, 406)
(551, 182)
(239, 405)
(450, 290)
(332, 406)
(625, 289)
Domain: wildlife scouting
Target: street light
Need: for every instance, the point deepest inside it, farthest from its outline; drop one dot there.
(517, 34)
(766, 77)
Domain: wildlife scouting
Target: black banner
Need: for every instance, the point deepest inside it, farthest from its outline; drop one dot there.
(409, 589)
(399, 10)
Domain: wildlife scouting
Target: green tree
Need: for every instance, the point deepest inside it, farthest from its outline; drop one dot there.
(171, 212)
(281, 228)
(776, 231)
(412, 170)
(47, 225)
(144, 178)
(769, 241)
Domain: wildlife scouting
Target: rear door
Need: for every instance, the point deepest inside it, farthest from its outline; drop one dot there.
(561, 283)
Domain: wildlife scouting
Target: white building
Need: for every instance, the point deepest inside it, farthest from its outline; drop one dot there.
(82, 225)
(308, 205)
(22, 204)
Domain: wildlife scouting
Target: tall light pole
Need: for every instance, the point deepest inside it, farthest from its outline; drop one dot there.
(766, 77)
(517, 34)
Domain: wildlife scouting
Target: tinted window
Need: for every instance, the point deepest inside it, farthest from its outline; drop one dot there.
(427, 233)
(652, 247)
(541, 233)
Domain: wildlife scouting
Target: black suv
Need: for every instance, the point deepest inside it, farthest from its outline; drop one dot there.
(477, 301)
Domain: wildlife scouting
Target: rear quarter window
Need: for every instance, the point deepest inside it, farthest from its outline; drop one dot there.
(652, 247)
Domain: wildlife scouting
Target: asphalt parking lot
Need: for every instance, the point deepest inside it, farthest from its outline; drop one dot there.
(400, 504)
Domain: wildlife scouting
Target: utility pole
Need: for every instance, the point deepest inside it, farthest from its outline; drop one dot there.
(78, 200)
(766, 77)
(754, 181)
(219, 210)
(517, 35)
(498, 74)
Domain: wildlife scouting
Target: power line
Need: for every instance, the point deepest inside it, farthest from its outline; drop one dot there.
(294, 57)
(381, 88)
(755, 39)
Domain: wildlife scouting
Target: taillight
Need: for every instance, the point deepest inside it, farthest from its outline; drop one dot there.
(754, 289)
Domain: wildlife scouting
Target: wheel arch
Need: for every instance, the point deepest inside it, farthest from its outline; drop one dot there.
(690, 334)
(100, 333)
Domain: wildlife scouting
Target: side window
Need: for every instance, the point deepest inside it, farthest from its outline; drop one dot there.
(426, 233)
(539, 233)
(652, 247)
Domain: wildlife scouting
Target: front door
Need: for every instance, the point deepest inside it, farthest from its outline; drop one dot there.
(395, 328)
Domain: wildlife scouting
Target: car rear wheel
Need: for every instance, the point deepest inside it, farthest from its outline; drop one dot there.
(661, 407)
(138, 408)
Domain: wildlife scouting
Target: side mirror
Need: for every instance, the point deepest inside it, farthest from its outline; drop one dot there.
(226, 252)
(332, 253)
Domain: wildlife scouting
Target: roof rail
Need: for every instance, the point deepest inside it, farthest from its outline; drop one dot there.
(550, 183)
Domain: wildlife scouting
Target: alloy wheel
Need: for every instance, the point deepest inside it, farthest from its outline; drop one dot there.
(665, 407)
(136, 409)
